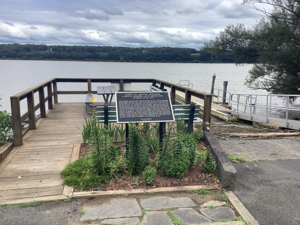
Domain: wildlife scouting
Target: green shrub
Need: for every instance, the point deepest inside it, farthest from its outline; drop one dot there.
(80, 175)
(174, 160)
(121, 132)
(198, 134)
(86, 130)
(149, 174)
(137, 157)
(208, 164)
(190, 144)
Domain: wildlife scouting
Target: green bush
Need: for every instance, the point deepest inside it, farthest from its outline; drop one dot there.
(137, 157)
(198, 134)
(190, 144)
(149, 174)
(175, 158)
(80, 175)
(5, 127)
(208, 164)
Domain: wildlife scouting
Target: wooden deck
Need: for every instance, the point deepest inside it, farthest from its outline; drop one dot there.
(31, 172)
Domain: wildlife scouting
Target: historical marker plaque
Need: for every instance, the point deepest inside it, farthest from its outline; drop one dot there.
(143, 107)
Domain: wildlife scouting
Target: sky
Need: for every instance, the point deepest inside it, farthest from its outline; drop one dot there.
(127, 23)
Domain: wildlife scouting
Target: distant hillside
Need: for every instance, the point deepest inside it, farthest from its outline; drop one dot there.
(108, 53)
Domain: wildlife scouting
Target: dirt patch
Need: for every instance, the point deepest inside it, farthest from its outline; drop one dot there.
(126, 182)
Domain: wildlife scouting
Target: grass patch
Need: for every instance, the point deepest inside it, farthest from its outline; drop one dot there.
(175, 220)
(126, 195)
(223, 197)
(236, 159)
(274, 153)
(81, 212)
(202, 191)
(67, 200)
(30, 204)
(211, 207)
(222, 220)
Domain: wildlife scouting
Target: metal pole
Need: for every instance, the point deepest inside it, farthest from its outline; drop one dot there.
(287, 111)
(267, 119)
(213, 84)
(225, 84)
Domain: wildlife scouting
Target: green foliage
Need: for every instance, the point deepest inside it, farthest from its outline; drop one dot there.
(121, 132)
(181, 128)
(175, 220)
(175, 160)
(30, 204)
(223, 197)
(208, 164)
(86, 130)
(202, 191)
(5, 127)
(137, 157)
(198, 132)
(236, 159)
(190, 144)
(149, 174)
(272, 44)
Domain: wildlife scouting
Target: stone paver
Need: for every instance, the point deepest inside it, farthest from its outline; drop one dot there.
(218, 213)
(162, 202)
(189, 216)
(115, 208)
(213, 203)
(122, 221)
(157, 218)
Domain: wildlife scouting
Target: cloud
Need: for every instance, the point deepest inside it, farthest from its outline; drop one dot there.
(235, 9)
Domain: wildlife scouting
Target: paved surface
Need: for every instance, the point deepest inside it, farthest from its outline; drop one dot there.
(269, 187)
(122, 210)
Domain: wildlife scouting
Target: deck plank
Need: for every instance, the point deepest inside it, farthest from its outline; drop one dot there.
(33, 169)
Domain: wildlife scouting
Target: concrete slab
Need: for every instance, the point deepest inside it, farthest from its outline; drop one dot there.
(218, 213)
(122, 221)
(115, 208)
(213, 203)
(163, 202)
(157, 218)
(190, 216)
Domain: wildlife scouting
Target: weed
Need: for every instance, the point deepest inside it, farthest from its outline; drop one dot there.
(89, 220)
(211, 207)
(126, 195)
(222, 220)
(3, 205)
(274, 153)
(149, 174)
(242, 143)
(202, 191)
(239, 219)
(189, 192)
(30, 204)
(67, 200)
(262, 160)
(137, 181)
(175, 220)
(81, 212)
(115, 195)
(144, 212)
(223, 197)
(235, 159)
(121, 132)
(150, 193)
(279, 159)
(56, 201)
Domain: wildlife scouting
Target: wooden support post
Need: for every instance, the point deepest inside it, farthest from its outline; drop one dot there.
(191, 118)
(188, 97)
(89, 86)
(50, 103)
(16, 120)
(213, 84)
(162, 86)
(42, 102)
(31, 110)
(121, 85)
(153, 83)
(55, 91)
(173, 90)
(127, 137)
(207, 110)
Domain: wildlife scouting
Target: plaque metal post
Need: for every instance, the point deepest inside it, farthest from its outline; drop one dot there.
(191, 117)
(162, 127)
(106, 115)
(127, 134)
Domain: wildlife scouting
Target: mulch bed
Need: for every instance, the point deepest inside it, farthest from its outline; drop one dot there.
(125, 182)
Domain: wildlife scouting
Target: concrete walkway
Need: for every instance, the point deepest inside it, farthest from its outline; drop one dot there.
(269, 183)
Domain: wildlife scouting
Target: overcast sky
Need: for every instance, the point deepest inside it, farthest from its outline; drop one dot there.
(133, 23)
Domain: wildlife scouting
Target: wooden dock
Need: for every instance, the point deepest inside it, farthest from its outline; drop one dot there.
(31, 172)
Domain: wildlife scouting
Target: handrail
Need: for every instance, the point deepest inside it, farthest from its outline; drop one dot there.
(52, 93)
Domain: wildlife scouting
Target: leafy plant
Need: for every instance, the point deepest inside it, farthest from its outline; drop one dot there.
(6, 133)
(198, 132)
(175, 220)
(190, 144)
(181, 127)
(202, 191)
(86, 130)
(137, 157)
(149, 174)
(121, 132)
(30, 204)
(208, 164)
(175, 159)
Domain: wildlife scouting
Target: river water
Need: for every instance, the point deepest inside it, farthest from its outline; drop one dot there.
(19, 75)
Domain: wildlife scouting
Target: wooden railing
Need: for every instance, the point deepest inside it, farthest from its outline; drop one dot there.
(52, 97)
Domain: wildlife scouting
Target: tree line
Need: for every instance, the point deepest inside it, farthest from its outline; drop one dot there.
(108, 53)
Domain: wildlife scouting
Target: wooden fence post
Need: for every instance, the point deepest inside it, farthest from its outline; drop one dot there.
(89, 86)
(121, 85)
(187, 99)
(173, 90)
(207, 110)
(162, 86)
(154, 83)
(42, 102)
(31, 110)
(50, 103)
(16, 120)
(55, 91)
